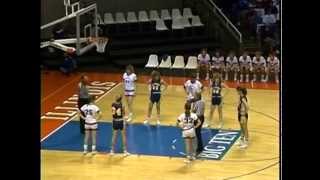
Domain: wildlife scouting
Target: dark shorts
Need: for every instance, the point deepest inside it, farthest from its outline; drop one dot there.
(155, 98)
(117, 125)
(245, 115)
(216, 100)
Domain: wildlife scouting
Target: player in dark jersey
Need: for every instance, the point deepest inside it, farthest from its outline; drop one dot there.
(118, 124)
(243, 108)
(155, 84)
(216, 98)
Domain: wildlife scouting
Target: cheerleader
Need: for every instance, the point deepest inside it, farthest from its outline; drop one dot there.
(118, 124)
(245, 66)
(203, 63)
(155, 84)
(216, 98)
(129, 78)
(273, 67)
(243, 108)
(188, 121)
(90, 113)
(259, 66)
(232, 65)
(217, 65)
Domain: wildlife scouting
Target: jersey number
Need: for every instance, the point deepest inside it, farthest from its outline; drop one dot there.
(88, 112)
(116, 112)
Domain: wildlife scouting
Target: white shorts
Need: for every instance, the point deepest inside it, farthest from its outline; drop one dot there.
(129, 92)
(91, 126)
(190, 133)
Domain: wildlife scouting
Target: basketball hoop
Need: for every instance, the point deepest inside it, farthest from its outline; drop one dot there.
(100, 43)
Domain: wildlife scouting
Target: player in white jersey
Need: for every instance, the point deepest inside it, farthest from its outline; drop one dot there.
(259, 66)
(245, 66)
(188, 121)
(273, 67)
(191, 87)
(217, 63)
(129, 78)
(91, 115)
(232, 65)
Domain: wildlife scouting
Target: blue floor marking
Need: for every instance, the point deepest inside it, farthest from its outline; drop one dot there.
(143, 139)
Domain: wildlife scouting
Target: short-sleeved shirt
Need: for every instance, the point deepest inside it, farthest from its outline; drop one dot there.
(188, 122)
(90, 111)
(129, 81)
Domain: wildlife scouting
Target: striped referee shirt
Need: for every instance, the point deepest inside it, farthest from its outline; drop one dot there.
(199, 107)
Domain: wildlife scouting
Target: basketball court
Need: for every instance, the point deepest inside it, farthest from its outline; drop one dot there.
(156, 151)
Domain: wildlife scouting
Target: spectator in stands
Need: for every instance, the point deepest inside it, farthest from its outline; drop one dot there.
(69, 64)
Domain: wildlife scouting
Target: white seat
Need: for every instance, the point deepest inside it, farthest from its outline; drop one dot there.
(166, 63)
(152, 61)
(196, 21)
(176, 14)
(160, 25)
(131, 17)
(187, 13)
(165, 15)
(154, 15)
(177, 24)
(178, 62)
(120, 18)
(143, 16)
(108, 18)
(192, 62)
(185, 22)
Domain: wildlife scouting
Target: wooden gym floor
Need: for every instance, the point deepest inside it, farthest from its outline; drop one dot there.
(259, 161)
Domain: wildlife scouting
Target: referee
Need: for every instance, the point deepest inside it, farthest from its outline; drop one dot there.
(83, 98)
(198, 108)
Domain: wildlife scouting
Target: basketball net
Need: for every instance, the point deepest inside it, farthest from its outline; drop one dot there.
(100, 43)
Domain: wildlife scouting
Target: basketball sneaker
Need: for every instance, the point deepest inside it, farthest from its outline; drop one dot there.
(93, 153)
(126, 153)
(129, 117)
(85, 153)
(158, 122)
(220, 125)
(187, 161)
(244, 144)
(146, 121)
(111, 152)
(239, 142)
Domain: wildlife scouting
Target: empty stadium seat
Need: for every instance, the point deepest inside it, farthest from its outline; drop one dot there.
(154, 15)
(108, 18)
(120, 18)
(176, 14)
(196, 21)
(165, 15)
(192, 62)
(152, 61)
(160, 25)
(143, 16)
(166, 63)
(185, 22)
(187, 13)
(178, 62)
(177, 24)
(132, 17)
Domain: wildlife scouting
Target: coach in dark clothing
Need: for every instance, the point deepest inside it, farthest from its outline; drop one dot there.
(83, 98)
(198, 108)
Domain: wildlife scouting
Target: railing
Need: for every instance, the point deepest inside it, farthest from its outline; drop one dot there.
(229, 25)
